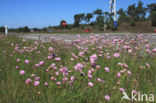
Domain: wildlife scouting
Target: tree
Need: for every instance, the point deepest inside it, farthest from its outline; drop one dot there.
(153, 18)
(122, 16)
(88, 17)
(98, 12)
(140, 12)
(78, 19)
(100, 22)
(2, 29)
(152, 9)
(132, 12)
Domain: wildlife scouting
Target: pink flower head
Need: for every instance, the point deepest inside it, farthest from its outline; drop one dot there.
(129, 73)
(41, 63)
(118, 74)
(28, 81)
(18, 60)
(22, 72)
(50, 49)
(90, 84)
(33, 75)
(46, 84)
(107, 97)
(72, 78)
(17, 67)
(58, 83)
(36, 83)
(37, 65)
(56, 73)
(37, 78)
(52, 78)
(57, 59)
(81, 54)
(106, 69)
(154, 50)
(116, 55)
(121, 89)
(78, 66)
(26, 61)
(97, 67)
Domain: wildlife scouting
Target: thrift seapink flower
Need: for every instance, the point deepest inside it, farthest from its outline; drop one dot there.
(17, 67)
(22, 72)
(90, 84)
(121, 89)
(79, 66)
(37, 65)
(41, 63)
(46, 84)
(107, 97)
(36, 83)
(18, 60)
(26, 61)
(28, 81)
(58, 83)
(52, 78)
(37, 78)
(116, 55)
(57, 59)
(118, 74)
(50, 49)
(106, 69)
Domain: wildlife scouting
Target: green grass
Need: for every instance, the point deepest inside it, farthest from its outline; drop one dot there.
(13, 88)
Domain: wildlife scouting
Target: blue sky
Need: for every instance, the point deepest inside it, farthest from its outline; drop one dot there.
(42, 13)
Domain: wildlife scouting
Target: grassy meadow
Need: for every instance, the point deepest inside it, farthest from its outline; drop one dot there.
(90, 70)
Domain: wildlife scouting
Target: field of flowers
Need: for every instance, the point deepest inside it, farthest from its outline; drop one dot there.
(90, 70)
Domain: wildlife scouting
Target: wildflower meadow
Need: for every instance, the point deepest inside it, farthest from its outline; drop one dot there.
(96, 69)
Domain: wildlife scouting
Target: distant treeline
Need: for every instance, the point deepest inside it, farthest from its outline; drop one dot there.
(104, 20)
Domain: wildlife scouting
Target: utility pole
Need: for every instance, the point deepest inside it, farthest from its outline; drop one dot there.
(6, 30)
(112, 10)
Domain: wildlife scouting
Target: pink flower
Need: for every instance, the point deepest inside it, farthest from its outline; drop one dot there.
(78, 66)
(121, 89)
(39, 52)
(118, 74)
(17, 67)
(50, 49)
(107, 97)
(106, 69)
(56, 73)
(58, 83)
(57, 59)
(116, 55)
(36, 83)
(90, 84)
(37, 78)
(154, 50)
(26, 61)
(129, 72)
(49, 57)
(100, 80)
(52, 78)
(81, 54)
(41, 63)
(33, 75)
(22, 72)
(18, 60)
(28, 81)
(97, 67)
(37, 65)
(46, 84)
(134, 91)
(72, 78)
